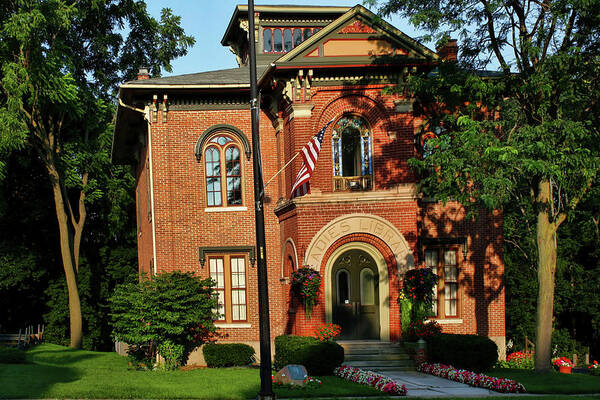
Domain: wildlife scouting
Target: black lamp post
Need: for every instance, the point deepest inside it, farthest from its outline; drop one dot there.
(266, 385)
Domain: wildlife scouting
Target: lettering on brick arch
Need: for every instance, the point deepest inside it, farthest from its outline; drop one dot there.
(360, 223)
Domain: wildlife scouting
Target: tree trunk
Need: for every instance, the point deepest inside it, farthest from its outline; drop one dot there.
(546, 244)
(66, 251)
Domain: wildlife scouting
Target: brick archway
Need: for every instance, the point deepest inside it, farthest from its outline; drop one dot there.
(388, 283)
(369, 224)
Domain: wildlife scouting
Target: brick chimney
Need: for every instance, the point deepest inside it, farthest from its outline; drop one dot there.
(143, 74)
(448, 52)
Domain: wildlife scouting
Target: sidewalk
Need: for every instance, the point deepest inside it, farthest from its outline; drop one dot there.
(424, 385)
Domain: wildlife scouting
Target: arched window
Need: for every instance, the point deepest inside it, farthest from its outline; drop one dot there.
(287, 40)
(307, 33)
(222, 156)
(297, 37)
(277, 41)
(352, 149)
(268, 40)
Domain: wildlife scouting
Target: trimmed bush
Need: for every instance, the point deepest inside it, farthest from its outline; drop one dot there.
(319, 358)
(227, 354)
(9, 355)
(470, 352)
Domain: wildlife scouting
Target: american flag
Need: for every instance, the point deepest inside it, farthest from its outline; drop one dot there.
(310, 154)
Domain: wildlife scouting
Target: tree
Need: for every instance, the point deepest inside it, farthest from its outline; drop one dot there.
(530, 134)
(61, 62)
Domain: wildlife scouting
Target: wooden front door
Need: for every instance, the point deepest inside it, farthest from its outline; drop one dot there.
(355, 295)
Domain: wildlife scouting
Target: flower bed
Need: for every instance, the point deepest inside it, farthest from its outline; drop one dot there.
(471, 378)
(370, 378)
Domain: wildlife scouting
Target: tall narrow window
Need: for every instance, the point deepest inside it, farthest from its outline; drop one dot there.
(307, 33)
(297, 37)
(238, 289)
(277, 41)
(287, 40)
(217, 273)
(450, 283)
(352, 166)
(213, 176)
(431, 261)
(223, 154)
(234, 175)
(267, 41)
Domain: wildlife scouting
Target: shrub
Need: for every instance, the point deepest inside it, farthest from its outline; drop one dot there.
(227, 354)
(171, 314)
(10, 355)
(421, 330)
(471, 352)
(319, 358)
(517, 360)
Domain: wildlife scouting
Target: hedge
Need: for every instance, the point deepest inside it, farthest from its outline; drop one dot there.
(470, 352)
(219, 355)
(319, 358)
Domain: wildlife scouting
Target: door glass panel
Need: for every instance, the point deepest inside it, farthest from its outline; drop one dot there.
(367, 287)
(343, 286)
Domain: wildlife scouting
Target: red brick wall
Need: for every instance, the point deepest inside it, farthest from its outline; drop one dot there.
(182, 225)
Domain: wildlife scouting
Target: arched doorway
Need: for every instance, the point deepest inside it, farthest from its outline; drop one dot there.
(355, 295)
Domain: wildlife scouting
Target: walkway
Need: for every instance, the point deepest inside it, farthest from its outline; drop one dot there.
(424, 385)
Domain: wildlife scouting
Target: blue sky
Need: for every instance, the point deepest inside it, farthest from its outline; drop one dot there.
(207, 20)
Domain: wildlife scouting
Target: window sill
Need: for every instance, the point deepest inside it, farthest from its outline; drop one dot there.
(447, 321)
(225, 325)
(225, 209)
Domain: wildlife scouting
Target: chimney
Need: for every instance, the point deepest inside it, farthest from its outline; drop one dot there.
(448, 52)
(143, 74)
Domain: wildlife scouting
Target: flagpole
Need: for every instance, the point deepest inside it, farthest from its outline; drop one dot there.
(266, 384)
(282, 168)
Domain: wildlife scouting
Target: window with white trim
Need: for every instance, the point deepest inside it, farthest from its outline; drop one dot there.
(444, 263)
(229, 273)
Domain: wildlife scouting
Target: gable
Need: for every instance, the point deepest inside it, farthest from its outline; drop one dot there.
(360, 37)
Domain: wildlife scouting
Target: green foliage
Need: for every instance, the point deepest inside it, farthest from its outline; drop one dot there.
(471, 352)
(61, 64)
(319, 358)
(517, 360)
(171, 314)
(219, 355)
(10, 355)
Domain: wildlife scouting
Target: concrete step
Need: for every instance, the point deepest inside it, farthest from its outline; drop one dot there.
(379, 363)
(374, 355)
(370, 357)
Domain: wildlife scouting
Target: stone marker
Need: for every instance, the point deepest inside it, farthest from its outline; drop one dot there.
(291, 375)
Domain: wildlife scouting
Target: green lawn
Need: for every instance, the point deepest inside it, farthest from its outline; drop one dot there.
(551, 383)
(59, 372)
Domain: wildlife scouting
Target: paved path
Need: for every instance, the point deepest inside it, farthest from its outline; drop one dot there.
(424, 385)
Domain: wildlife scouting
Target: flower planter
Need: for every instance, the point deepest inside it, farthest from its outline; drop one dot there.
(564, 370)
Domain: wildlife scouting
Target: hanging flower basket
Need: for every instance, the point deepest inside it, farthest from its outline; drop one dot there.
(305, 284)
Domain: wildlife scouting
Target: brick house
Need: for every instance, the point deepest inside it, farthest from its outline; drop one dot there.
(363, 224)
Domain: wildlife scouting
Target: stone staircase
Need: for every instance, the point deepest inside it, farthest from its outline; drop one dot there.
(374, 355)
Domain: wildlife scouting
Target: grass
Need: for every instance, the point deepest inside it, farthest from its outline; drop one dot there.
(54, 371)
(552, 382)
